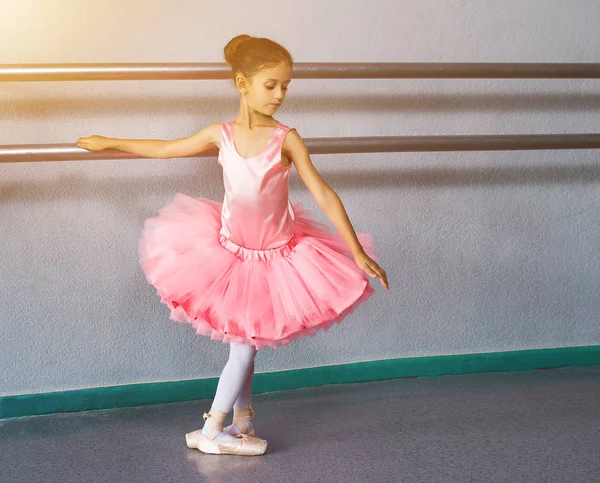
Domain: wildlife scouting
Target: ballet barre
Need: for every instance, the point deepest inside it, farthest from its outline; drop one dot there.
(375, 144)
(314, 70)
(302, 70)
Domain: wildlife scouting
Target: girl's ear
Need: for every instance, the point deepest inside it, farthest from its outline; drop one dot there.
(241, 83)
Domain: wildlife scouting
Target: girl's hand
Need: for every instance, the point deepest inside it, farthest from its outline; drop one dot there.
(93, 143)
(372, 269)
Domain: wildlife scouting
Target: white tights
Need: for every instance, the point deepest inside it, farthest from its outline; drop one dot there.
(235, 383)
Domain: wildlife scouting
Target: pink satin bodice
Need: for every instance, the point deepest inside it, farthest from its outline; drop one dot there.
(257, 212)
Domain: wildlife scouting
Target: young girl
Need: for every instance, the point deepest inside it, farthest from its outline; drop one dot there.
(255, 271)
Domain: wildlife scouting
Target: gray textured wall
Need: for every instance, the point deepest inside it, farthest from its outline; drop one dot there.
(485, 251)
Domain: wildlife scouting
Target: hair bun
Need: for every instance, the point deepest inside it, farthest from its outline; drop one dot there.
(233, 45)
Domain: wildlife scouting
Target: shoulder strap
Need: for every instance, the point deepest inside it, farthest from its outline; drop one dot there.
(226, 134)
(283, 131)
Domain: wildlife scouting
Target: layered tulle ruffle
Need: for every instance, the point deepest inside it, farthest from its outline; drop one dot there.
(266, 298)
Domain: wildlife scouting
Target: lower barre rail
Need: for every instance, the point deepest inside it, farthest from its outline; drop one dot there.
(375, 144)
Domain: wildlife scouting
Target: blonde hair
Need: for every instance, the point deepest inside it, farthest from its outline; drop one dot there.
(248, 55)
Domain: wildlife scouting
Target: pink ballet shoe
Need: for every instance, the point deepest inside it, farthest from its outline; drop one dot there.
(234, 430)
(244, 445)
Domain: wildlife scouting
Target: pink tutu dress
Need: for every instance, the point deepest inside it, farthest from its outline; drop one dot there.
(255, 269)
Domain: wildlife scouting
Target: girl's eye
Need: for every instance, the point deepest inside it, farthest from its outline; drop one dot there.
(273, 87)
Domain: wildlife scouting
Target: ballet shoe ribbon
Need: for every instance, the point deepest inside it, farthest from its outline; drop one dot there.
(243, 437)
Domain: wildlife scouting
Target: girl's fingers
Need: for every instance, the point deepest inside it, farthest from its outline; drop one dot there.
(370, 271)
(384, 280)
(374, 270)
(381, 275)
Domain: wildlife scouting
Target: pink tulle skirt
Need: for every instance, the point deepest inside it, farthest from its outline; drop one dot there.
(266, 298)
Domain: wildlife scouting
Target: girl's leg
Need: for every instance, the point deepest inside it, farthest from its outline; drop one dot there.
(245, 396)
(232, 380)
(242, 412)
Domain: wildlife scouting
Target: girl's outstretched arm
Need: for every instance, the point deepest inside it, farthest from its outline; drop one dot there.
(330, 203)
(156, 148)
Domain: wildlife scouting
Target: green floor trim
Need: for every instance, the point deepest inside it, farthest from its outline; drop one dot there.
(428, 366)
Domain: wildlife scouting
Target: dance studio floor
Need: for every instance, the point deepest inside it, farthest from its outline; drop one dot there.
(538, 426)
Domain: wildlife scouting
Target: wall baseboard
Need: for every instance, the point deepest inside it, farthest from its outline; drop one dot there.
(129, 395)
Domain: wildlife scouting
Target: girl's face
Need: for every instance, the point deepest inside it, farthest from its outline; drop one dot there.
(268, 88)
